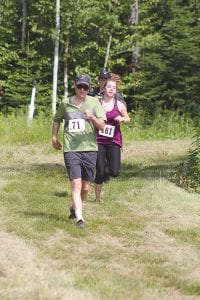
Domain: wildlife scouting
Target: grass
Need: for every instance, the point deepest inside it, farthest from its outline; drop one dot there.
(141, 242)
(162, 125)
(15, 129)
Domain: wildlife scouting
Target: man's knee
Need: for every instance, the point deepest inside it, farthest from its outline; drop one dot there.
(76, 184)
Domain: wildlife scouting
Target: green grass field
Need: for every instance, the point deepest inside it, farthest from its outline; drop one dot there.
(141, 242)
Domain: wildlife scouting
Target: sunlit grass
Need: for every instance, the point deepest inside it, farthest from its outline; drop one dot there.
(140, 242)
(15, 128)
(160, 126)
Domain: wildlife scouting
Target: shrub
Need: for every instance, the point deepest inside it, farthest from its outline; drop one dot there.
(188, 172)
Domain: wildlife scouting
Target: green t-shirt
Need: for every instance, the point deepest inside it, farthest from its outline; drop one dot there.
(79, 134)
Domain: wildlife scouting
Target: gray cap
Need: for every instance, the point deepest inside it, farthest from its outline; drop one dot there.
(83, 79)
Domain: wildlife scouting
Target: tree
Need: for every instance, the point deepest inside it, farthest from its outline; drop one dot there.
(157, 56)
(56, 58)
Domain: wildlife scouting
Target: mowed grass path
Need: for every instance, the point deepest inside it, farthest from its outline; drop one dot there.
(141, 242)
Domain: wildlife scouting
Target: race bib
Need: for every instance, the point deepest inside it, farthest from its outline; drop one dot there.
(76, 125)
(108, 131)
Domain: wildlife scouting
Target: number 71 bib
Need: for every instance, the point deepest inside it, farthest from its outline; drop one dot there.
(108, 131)
(76, 125)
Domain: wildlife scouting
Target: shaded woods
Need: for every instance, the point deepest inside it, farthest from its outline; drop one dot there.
(153, 45)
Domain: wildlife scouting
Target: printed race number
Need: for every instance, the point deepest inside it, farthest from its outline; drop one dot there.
(108, 131)
(76, 125)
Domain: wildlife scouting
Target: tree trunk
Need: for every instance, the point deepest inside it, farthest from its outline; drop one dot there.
(134, 19)
(66, 68)
(56, 55)
(24, 22)
(108, 51)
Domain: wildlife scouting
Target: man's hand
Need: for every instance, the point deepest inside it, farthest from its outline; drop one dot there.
(56, 144)
(89, 114)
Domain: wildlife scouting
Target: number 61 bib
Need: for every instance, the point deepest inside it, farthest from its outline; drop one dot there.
(76, 125)
(108, 131)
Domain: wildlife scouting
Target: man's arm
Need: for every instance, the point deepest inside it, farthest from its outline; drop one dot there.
(97, 122)
(55, 142)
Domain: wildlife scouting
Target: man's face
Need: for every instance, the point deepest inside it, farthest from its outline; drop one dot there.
(81, 90)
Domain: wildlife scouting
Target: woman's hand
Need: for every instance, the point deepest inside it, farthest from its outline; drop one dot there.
(119, 119)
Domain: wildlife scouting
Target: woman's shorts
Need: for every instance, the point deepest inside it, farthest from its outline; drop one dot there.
(80, 164)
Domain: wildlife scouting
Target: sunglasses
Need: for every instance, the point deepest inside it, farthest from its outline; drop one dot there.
(82, 86)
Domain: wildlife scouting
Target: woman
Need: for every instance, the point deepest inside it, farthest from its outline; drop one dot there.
(110, 139)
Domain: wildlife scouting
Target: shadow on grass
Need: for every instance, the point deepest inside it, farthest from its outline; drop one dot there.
(159, 169)
(43, 215)
(47, 168)
(62, 194)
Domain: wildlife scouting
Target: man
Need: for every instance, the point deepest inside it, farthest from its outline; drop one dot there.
(103, 77)
(82, 115)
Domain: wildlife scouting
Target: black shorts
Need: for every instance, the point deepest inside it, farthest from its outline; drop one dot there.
(80, 164)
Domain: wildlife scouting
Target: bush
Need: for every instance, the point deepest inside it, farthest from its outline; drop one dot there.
(188, 172)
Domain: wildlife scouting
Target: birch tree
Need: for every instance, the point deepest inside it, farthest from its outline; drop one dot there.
(56, 58)
(24, 22)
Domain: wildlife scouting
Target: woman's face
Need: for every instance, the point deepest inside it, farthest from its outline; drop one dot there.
(110, 88)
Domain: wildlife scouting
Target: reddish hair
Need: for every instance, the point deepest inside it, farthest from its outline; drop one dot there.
(115, 78)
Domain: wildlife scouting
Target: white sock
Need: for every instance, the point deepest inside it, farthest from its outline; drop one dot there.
(79, 215)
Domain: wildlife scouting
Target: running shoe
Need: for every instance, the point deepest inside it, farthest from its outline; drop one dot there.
(80, 224)
(72, 213)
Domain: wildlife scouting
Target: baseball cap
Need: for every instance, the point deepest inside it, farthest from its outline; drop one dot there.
(104, 74)
(83, 79)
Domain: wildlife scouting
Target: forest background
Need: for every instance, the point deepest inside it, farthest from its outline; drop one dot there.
(153, 45)
(142, 242)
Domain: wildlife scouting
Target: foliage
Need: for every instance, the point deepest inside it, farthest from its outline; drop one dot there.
(188, 172)
(169, 55)
(157, 58)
